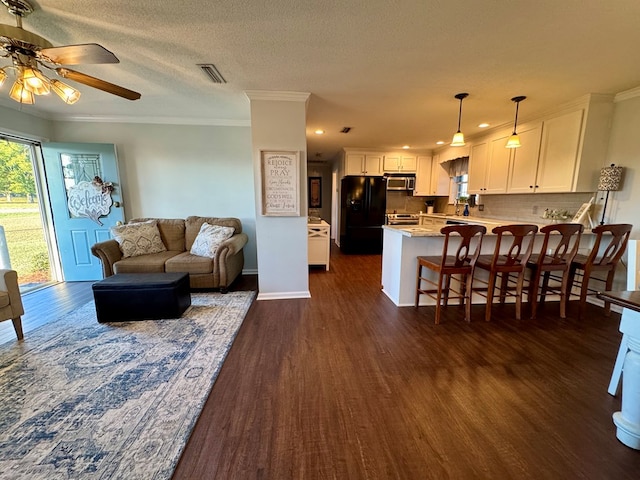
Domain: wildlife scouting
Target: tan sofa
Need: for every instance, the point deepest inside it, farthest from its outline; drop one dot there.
(178, 236)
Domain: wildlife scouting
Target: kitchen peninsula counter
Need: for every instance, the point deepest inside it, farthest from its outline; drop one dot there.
(402, 244)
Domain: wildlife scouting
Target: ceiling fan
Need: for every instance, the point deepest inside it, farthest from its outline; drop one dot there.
(30, 54)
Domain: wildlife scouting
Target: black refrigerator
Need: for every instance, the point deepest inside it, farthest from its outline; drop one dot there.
(363, 204)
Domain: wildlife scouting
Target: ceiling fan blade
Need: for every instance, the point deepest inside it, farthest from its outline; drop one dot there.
(97, 83)
(79, 54)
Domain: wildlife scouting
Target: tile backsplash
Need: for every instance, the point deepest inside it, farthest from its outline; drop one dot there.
(529, 207)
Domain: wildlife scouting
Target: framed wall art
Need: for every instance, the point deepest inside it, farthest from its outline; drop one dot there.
(280, 183)
(315, 192)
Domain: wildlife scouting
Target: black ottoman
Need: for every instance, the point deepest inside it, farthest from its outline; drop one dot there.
(139, 296)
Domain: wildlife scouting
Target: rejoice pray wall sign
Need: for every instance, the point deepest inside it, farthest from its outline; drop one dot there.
(90, 200)
(280, 183)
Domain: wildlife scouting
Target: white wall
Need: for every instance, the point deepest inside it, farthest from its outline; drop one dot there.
(23, 124)
(278, 123)
(624, 150)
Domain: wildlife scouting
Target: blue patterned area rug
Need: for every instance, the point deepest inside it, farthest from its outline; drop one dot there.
(84, 400)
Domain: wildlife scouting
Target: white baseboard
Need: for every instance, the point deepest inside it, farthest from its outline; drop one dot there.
(283, 295)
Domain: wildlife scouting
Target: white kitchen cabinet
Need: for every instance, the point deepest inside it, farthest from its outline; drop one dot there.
(440, 180)
(400, 163)
(560, 153)
(498, 165)
(478, 160)
(489, 164)
(318, 243)
(558, 162)
(423, 176)
(524, 161)
(363, 164)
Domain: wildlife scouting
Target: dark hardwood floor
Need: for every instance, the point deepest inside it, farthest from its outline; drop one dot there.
(347, 386)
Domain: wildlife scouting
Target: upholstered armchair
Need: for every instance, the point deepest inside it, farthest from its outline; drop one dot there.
(10, 301)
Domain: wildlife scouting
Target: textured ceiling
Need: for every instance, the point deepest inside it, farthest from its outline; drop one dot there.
(388, 69)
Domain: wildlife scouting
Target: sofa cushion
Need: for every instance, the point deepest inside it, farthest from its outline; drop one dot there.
(171, 232)
(152, 263)
(193, 224)
(209, 239)
(192, 264)
(138, 238)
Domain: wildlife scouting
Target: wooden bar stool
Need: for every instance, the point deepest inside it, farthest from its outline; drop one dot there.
(503, 265)
(557, 260)
(608, 248)
(461, 262)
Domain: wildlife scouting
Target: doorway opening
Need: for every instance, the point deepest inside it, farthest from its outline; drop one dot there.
(25, 242)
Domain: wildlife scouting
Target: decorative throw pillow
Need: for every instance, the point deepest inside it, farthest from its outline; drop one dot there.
(138, 238)
(209, 239)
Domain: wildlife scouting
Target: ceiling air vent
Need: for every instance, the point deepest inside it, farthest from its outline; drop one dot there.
(345, 130)
(212, 72)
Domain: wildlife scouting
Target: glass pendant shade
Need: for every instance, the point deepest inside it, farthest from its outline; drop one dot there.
(458, 140)
(67, 93)
(514, 141)
(21, 94)
(34, 81)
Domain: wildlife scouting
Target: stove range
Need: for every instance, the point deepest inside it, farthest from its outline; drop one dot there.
(403, 219)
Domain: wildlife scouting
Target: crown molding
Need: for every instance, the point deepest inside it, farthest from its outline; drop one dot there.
(627, 94)
(277, 95)
(218, 122)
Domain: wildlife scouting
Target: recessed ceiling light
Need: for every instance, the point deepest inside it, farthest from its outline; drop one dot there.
(406, 147)
(319, 132)
(483, 125)
(440, 143)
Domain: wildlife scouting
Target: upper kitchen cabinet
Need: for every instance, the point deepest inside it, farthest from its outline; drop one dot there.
(572, 148)
(362, 163)
(489, 165)
(400, 163)
(423, 176)
(561, 153)
(523, 165)
(440, 180)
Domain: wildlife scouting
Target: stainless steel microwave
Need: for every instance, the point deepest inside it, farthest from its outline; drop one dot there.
(403, 182)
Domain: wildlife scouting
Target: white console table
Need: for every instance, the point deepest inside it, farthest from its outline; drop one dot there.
(319, 243)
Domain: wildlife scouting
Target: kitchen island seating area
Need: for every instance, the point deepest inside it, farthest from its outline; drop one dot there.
(460, 261)
(557, 260)
(609, 246)
(542, 262)
(502, 265)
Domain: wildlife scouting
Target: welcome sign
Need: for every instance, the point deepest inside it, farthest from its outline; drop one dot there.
(89, 200)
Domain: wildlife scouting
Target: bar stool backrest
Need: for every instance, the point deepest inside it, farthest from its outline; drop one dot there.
(618, 237)
(522, 239)
(469, 247)
(567, 247)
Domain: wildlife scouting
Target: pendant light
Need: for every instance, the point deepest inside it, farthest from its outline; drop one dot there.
(458, 137)
(514, 139)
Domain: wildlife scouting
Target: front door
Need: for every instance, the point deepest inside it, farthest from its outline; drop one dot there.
(86, 219)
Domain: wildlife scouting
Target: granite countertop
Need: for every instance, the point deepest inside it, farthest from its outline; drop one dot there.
(434, 230)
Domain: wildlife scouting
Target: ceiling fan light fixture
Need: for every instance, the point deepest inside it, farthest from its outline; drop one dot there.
(66, 92)
(458, 137)
(21, 94)
(34, 81)
(514, 139)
